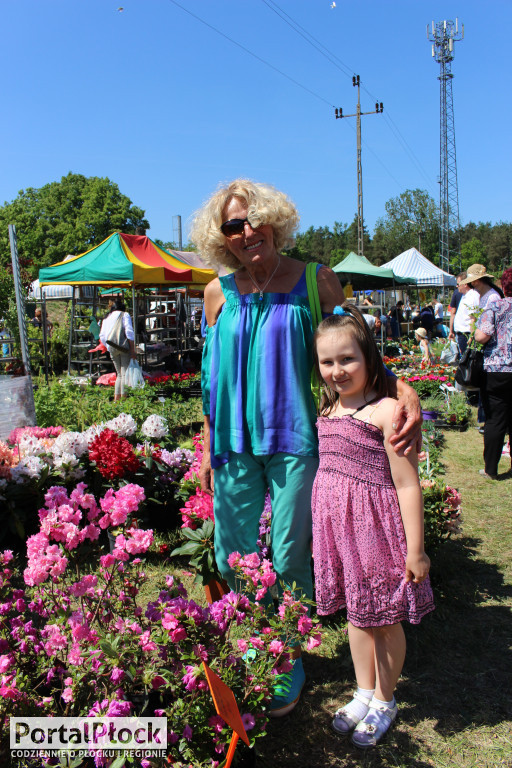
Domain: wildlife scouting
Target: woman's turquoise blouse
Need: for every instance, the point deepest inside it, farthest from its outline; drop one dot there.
(256, 373)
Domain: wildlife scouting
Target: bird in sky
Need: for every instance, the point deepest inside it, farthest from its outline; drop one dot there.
(333, 5)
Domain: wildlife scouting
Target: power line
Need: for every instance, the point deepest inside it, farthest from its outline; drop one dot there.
(308, 37)
(255, 56)
(330, 56)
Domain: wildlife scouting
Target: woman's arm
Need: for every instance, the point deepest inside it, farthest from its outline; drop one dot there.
(404, 471)
(330, 291)
(481, 337)
(130, 335)
(205, 471)
(213, 301)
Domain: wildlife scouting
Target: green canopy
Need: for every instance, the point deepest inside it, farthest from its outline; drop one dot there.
(363, 275)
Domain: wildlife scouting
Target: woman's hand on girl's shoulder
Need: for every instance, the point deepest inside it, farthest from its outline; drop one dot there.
(382, 416)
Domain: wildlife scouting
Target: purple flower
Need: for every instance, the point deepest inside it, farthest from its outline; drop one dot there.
(248, 721)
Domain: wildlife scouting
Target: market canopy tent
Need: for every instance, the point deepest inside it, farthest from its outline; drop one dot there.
(60, 291)
(362, 274)
(131, 260)
(426, 274)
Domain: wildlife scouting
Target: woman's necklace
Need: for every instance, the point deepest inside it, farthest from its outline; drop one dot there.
(262, 288)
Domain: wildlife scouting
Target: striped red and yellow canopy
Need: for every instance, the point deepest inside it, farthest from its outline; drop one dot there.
(125, 260)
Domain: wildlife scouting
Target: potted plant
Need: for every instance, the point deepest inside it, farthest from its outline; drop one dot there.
(431, 406)
(456, 410)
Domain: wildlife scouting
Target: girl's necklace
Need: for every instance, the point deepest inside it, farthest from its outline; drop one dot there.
(262, 288)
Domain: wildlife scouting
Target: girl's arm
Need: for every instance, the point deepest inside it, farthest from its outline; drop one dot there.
(404, 471)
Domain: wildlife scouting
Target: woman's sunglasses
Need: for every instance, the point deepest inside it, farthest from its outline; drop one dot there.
(235, 227)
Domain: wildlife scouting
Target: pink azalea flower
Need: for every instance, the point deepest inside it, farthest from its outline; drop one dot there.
(304, 625)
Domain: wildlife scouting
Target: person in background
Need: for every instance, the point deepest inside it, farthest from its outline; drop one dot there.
(4, 334)
(396, 317)
(422, 339)
(456, 297)
(120, 359)
(426, 319)
(478, 278)
(37, 321)
(460, 321)
(494, 329)
(438, 310)
(370, 321)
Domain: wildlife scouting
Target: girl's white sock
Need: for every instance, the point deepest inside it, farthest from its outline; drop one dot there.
(357, 709)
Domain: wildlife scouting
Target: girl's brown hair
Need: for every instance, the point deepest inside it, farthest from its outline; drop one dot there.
(353, 322)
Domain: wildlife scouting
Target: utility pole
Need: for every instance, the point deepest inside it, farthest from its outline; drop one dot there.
(176, 232)
(442, 35)
(379, 108)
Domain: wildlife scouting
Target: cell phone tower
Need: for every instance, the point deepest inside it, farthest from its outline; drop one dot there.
(443, 34)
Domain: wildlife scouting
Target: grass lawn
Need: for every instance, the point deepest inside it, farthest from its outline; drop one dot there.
(455, 700)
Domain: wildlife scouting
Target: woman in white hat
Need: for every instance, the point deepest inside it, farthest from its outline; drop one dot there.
(479, 279)
(422, 338)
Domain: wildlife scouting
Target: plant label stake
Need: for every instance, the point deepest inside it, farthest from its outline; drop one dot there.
(226, 706)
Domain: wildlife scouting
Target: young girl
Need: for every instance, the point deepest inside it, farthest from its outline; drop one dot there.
(367, 522)
(422, 338)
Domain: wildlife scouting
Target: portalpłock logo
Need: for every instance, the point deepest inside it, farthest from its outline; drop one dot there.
(138, 736)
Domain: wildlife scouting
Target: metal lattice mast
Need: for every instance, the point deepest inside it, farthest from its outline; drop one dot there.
(443, 34)
(339, 114)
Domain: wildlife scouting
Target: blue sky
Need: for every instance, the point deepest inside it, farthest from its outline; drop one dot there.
(168, 108)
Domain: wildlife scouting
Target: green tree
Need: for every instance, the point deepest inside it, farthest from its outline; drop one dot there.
(471, 252)
(66, 216)
(320, 244)
(352, 243)
(411, 216)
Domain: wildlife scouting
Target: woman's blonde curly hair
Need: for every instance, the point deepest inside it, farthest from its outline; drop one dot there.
(265, 205)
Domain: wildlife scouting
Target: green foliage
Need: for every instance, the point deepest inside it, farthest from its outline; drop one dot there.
(488, 244)
(396, 234)
(456, 409)
(66, 216)
(77, 407)
(199, 551)
(471, 252)
(432, 403)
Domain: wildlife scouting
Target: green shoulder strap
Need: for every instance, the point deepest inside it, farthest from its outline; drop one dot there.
(316, 318)
(312, 288)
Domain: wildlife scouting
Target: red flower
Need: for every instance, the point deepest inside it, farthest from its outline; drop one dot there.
(113, 455)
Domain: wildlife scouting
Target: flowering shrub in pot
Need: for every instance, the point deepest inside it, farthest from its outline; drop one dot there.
(78, 639)
(104, 455)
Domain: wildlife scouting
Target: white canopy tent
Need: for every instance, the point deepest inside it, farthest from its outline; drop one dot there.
(56, 291)
(412, 263)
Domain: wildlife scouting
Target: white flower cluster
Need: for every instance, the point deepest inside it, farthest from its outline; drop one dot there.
(155, 427)
(31, 446)
(27, 467)
(62, 455)
(74, 443)
(124, 424)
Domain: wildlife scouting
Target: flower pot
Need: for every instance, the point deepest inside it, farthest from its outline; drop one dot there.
(214, 590)
(429, 415)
